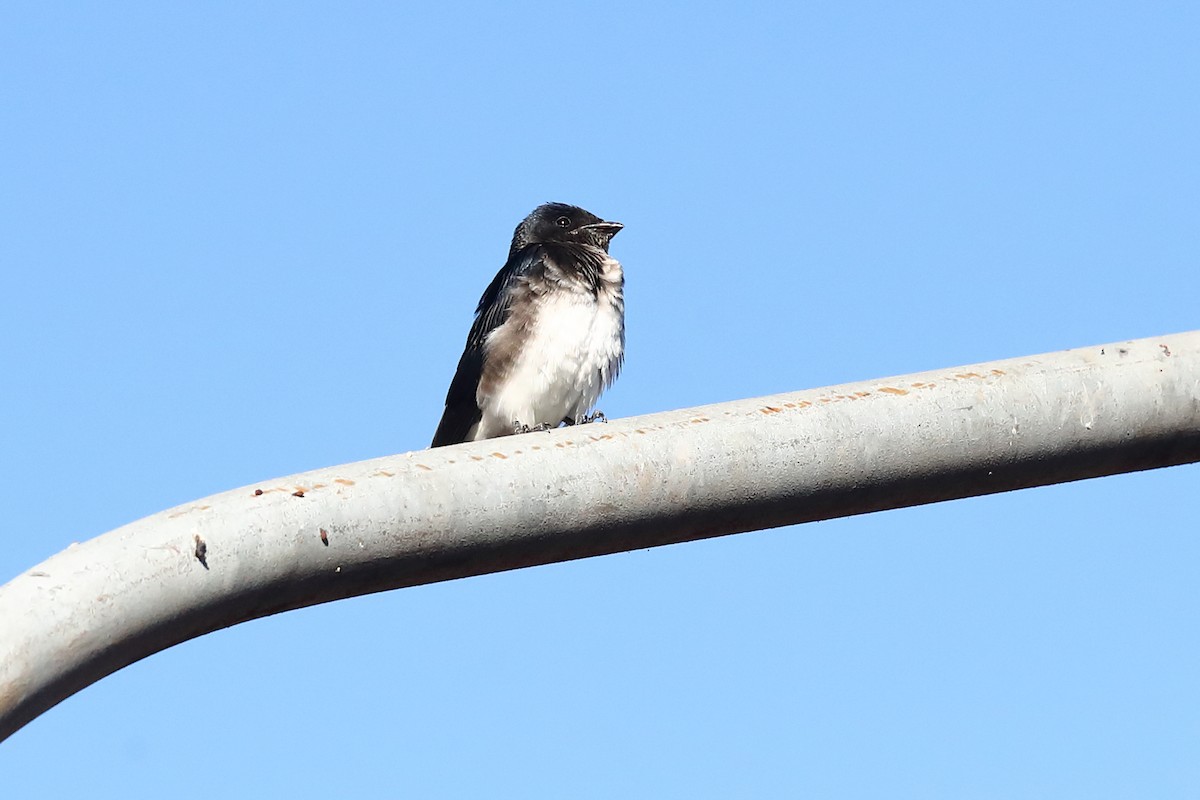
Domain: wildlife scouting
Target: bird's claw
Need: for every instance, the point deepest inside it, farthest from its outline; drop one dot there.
(519, 428)
(585, 419)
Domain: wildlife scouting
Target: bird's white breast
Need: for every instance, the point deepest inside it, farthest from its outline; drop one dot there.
(571, 353)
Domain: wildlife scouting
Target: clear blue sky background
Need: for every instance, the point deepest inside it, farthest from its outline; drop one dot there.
(243, 240)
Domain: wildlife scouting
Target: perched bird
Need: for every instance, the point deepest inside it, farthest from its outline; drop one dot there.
(549, 331)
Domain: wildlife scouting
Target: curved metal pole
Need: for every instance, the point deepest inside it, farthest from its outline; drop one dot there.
(488, 506)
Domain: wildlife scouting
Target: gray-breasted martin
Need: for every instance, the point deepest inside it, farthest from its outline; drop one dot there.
(549, 332)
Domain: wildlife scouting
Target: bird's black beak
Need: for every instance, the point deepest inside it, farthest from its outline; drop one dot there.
(604, 230)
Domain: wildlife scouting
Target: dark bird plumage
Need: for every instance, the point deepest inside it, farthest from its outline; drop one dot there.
(549, 331)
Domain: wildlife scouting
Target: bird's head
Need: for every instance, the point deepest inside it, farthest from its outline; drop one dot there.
(559, 222)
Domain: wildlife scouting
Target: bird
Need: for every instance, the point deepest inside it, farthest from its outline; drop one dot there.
(549, 331)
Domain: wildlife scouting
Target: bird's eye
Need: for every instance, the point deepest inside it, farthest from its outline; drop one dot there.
(563, 222)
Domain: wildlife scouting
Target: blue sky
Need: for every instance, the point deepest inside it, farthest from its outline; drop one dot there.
(245, 240)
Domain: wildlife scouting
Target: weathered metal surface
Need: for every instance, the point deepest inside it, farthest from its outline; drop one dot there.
(488, 506)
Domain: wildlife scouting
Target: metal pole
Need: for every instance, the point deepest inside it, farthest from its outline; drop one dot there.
(435, 515)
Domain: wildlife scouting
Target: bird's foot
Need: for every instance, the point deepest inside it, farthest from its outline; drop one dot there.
(519, 428)
(595, 416)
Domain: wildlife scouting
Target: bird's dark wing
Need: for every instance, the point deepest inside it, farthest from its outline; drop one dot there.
(462, 408)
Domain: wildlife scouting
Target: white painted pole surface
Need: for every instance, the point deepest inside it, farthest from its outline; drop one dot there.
(435, 515)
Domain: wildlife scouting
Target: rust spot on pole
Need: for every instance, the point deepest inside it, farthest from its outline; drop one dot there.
(201, 551)
(892, 390)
